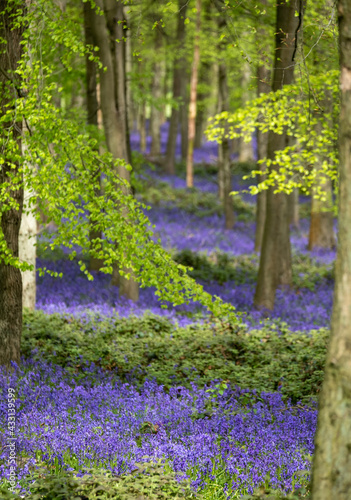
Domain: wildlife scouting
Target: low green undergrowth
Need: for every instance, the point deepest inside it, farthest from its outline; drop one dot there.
(152, 347)
(194, 201)
(149, 481)
(243, 269)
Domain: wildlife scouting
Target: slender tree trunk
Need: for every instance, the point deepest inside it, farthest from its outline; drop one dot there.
(331, 478)
(262, 87)
(205, 74)
(174, 121)
(92, 112)
(142, 126)
(155, 120)
(204, 77)
(321, 233)
(27, 244)
(129, 69)
(275, 260)
(184, 116)
(105, 30)
(193, 95)
(293, 209)
(322, 215)
(245, 148)
(225, 176)
(10, 220)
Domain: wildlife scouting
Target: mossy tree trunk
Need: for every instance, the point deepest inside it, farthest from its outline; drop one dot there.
(10, 220)
(331, 478)
(275, 259)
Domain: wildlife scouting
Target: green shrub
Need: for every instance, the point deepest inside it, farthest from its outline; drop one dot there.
(219, 267)
(151, 347)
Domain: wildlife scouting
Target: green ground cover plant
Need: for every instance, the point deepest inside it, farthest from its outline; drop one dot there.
(243, 269)
(150, 347)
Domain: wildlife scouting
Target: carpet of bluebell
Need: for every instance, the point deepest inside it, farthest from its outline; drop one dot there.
(226, 440)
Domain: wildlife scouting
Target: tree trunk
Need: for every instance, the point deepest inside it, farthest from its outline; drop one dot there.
(275, 260)
(245, 148)
(129, 69)
(142, 126)
(204, 77)
(184, 116)
(331, 478)
(262, 87)
(321, 233)
(10, 220)
(155, 120)
(105, 30)
(224, 173)
(92, 111)
(177, 89)
(27, 246)
(293, 209)
(193, 95)
(205, 74)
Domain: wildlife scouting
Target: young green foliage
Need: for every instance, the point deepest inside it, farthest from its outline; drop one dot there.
(291, 109)
(65, 180)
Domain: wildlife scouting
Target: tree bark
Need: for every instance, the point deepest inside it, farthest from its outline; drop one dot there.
(184, 121)
(331, 478)
(142, 126)
(263, 87)
(129, 68)
(92, 111)
(205, 80)
(245, 148)
(224, 172)
(192, 103)
(177, 77)
(321, 233)
(10, 220)
(155, 120)
(275, 259)
(293, 209)
(27, 249)
(105, 30)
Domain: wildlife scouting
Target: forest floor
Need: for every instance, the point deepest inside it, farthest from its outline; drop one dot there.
(106, 384)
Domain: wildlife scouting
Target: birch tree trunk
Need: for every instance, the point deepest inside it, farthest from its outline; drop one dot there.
(275, 259)
(27, 245)
(193, 95)
(331, 478)
(10, 220)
